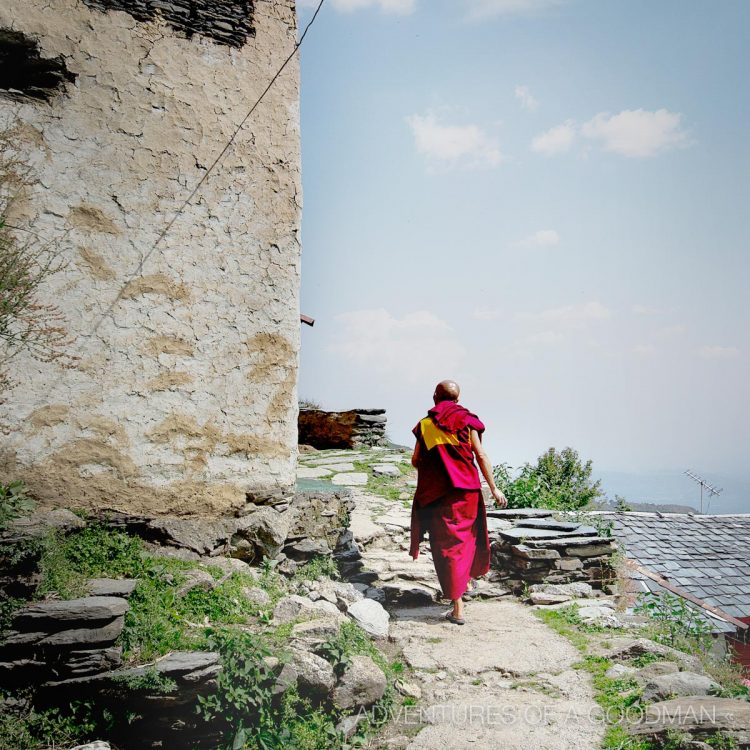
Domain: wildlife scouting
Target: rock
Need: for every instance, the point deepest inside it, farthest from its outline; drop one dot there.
(189, 666)
(602, 616)
(348, 725)
(37, 524)
(317, 630)
(305, 549)
(655, 669)
(315, 677)
(84, 636)
(206, 536)
(292, 607)
(361, 684)
(96, 660)
(256, 595)
(123, 587)
(229, 565)
(339, 467)
(313, 472)
(407, 594)
(679, 684)
(576, 589)
(549, 523)
(531, 553)
(409, 689)
(57, 615)
(386, 470)
(620, 671)
(542, 597)
(98, 745)
(264, 529)
(286, 678)
(354, 479)
(701, 717)
(196, 579)
(627, 648)
(370, 616)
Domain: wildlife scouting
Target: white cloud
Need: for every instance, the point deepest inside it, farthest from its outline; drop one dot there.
(466, 146)
(486, 313)
(525, 97)
(637, 132)
(643, 350)
(399, 7)
(674, 330)
(541, 238)
(556, 140)
(647, 310)
(718, 352)
(546, 338)
(572, 316)
(478, 9)
(413, 347)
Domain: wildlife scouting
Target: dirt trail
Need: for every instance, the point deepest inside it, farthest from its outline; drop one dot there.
(502, 680)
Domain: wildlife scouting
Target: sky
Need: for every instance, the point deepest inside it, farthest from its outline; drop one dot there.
(545, 200)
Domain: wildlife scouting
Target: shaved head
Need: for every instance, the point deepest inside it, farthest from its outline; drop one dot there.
(446, 390)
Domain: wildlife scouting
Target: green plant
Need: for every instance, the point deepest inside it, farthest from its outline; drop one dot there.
(675, 620)
(320, 566)
(306, 403)
(33, 729)
(621, 504)
(150, 681)
(14, 502)
(559, 480)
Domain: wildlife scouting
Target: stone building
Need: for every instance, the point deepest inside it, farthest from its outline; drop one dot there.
(183, 399)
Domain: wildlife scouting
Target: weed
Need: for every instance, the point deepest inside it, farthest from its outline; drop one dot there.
(151, 681)
(320, 566)
(14, 502)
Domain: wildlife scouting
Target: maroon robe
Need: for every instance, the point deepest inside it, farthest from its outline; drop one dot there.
(448, 502)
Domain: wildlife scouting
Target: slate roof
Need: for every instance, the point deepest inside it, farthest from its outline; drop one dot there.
(707, 555)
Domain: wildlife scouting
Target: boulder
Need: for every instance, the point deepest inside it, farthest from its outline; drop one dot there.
(620, 671)
(679, 685)
(655, 669)
(314, 632)
(256, 595)
(701, 717)
(294, 606)
(370, 616)
(315, 677)
(122, 587)
(362, 683)
(37, 524)
(625, 648)
(56, 615)
(98, 745)
(264, 529)
(349, 724)
(205, 536)
(305, 549)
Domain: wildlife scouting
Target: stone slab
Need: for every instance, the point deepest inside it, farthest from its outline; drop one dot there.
(352, 479)
(309, 472)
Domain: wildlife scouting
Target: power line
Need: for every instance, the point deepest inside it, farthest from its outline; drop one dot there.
(200, 182)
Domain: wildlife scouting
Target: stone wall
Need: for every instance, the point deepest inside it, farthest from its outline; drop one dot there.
(184, 399)
(342, 429)
(529, 546)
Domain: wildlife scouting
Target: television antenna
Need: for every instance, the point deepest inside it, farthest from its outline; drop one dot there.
(704, 485)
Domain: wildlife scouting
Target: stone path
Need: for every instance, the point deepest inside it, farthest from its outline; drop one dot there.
(503, 680)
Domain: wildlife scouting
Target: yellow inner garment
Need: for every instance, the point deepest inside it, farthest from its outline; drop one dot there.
(433, 435)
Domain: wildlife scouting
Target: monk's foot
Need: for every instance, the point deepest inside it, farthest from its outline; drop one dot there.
(455, 620)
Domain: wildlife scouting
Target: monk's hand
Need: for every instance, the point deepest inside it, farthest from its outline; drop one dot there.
(499, 498)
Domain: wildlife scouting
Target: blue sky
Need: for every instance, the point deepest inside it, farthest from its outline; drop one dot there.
(543, 199)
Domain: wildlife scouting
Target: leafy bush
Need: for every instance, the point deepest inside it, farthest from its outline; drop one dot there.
(678, 624)
(559, 480)
(14, 502)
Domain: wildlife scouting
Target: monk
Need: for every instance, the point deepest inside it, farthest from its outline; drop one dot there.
(448, 503)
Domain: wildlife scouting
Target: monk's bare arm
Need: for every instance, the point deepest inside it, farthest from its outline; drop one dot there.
(485, 466)
(415, 455)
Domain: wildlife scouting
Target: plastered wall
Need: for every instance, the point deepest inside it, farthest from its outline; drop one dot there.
(185, 397)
